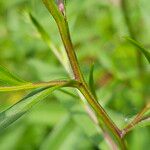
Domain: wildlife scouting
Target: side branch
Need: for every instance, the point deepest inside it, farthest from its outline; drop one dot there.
(28, 86)
(138, 118)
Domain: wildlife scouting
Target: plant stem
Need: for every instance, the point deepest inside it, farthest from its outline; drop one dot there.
(136, 120)
(106, 120)
(28, 86)
(65, 35)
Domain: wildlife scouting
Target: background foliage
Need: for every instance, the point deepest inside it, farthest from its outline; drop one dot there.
(97, 29)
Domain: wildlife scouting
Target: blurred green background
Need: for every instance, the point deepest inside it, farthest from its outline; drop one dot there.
(122, 85)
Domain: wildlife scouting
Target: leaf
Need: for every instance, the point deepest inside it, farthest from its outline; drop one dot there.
(69, 93)
(13, 113)
(40, 29)
(91, 81)
(57, 137)
(46, 38)
(8, 78)
(66, 135)
(140, 47)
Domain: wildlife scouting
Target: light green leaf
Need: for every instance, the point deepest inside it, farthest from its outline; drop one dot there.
(13, 113)
(46, 38)
(8, 78)
(40, 29)
(140, 47)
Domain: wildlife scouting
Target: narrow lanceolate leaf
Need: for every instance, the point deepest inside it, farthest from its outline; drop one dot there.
(46, 38)
(145, 52)
(8, 78)
(10, 115)
(91, 81)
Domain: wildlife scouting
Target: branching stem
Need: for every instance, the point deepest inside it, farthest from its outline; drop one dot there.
(139, 117)
(65, 36)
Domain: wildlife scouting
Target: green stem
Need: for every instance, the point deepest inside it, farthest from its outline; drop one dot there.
(28, 86)
(136, 120)
(65, 35)
(105, 119)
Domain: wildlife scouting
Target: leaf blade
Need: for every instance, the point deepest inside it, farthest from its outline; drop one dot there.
(13, 113)
(44, 35)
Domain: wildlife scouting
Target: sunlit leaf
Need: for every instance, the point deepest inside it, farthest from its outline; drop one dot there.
(10, 115)
(145, 52)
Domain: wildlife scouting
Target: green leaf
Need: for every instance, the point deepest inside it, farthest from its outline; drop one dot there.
(140, 47)
(46, 38)
(56, 139)
(8, 78)
(13, 113)
(91, 81)
(40, 29)
(66, 135)
(80, 117)
(69, 93)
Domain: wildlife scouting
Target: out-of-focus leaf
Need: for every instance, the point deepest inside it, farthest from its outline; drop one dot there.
(45, 37)
(60, 132)
(80, 117)
(8, 78)
(66, 136)
(69, 93)
(91, 82)
(140, 47)
(16, 135)
(17, 110)
(40, 29)
(47, 113)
